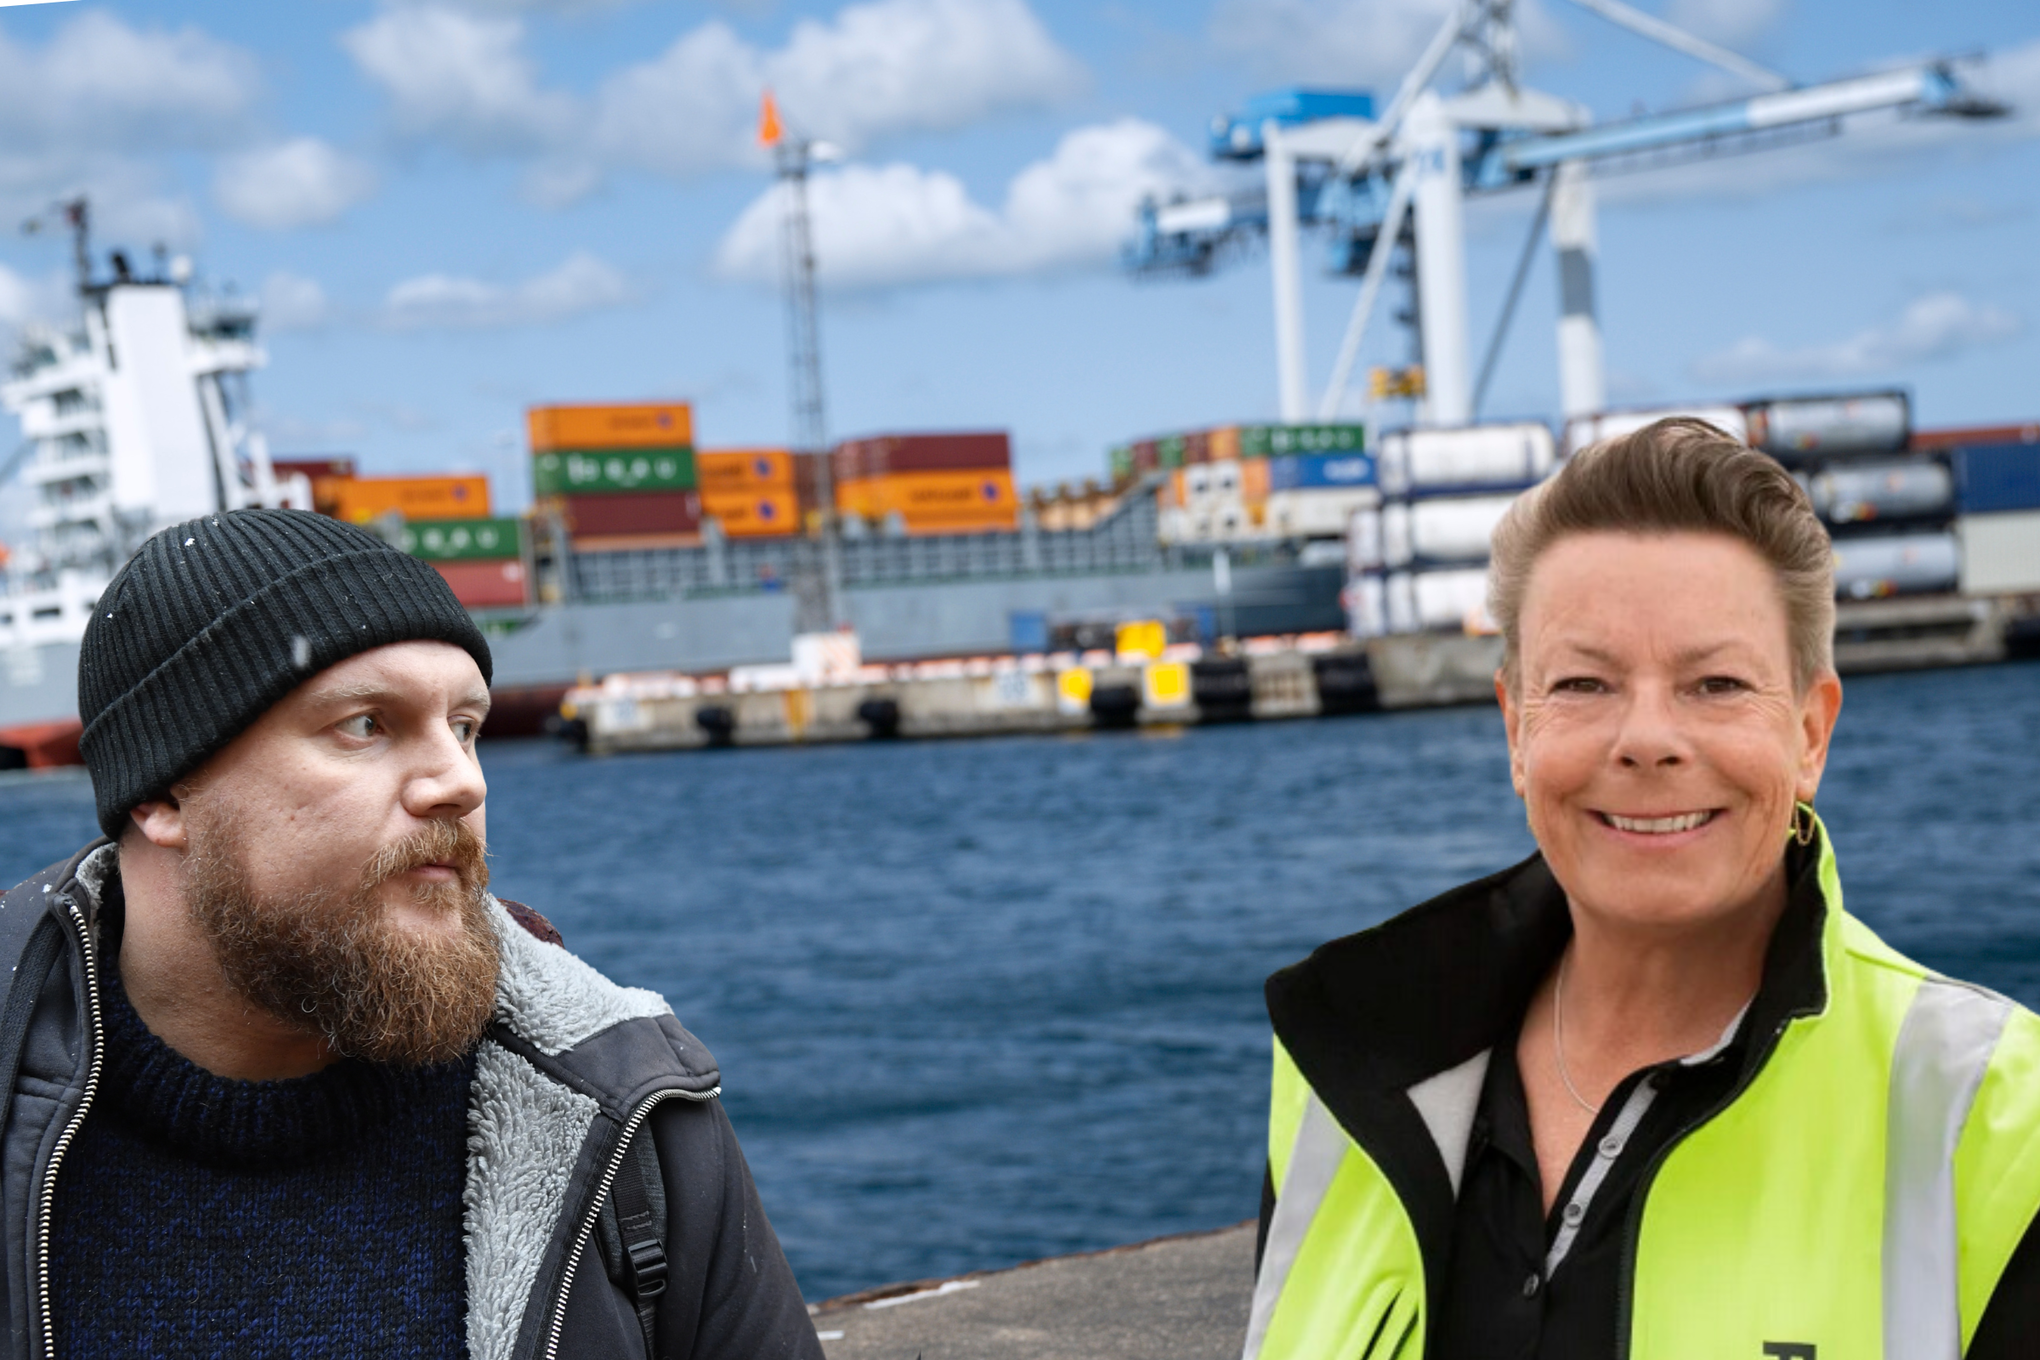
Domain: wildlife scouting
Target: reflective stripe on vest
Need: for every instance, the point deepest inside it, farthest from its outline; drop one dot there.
(1947, 1037)
(1944, 1048)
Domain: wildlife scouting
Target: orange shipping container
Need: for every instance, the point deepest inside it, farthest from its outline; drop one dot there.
(753, 514)
(361, 499)
(743, 470)
(573, 429)
(985, 495)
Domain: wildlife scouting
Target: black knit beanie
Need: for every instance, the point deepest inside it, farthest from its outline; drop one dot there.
(215, 620)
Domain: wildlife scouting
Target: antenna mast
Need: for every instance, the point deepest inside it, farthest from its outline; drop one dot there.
(817, 593)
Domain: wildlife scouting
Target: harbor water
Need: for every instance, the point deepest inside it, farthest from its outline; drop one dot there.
(980, 1002)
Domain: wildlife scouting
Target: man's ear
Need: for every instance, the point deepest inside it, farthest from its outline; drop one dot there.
(160, 822)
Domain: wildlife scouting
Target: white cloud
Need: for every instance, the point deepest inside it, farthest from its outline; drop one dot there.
(298, 183)
(876, 69)
(291, 302)
(876, 226)
(582, 283)
(1730, 22)
(1351, 43)
(99, 84)
(1935, 326)
(461, 76)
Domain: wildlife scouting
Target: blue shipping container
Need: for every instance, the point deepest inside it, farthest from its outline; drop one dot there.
(1993, 477)
(1314, 471)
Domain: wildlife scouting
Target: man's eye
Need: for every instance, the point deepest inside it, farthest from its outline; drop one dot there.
(1722, 684)
(363, 725)
(1577, 684)
(464, 728)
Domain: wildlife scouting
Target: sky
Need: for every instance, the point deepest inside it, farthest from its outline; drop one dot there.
(453, 209)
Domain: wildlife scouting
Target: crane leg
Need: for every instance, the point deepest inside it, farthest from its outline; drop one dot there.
(1432, 148)
(1582, 382)
(1288, 278)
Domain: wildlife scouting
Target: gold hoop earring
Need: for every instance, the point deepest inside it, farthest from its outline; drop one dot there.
(1803, 824)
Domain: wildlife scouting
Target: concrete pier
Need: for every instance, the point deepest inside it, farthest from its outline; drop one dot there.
(1175, 1298)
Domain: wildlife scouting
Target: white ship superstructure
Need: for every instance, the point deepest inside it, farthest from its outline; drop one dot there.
(137, 420)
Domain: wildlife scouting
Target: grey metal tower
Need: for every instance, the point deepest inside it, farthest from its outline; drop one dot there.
(818, 586)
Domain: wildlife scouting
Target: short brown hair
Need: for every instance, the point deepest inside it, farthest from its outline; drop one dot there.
(1676, 476)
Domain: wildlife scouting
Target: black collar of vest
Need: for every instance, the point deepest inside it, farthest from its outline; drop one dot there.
(1368, 1016)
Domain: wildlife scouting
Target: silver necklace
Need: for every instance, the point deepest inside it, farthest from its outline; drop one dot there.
(1558, 1036)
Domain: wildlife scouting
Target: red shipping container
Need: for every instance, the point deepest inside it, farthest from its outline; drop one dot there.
(1147, 455)
(485, 585)
(314, 468)
(1926, 440)
(883, 455)
(633, 512)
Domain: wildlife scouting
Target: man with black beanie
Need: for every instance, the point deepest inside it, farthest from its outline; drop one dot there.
(285, 1078)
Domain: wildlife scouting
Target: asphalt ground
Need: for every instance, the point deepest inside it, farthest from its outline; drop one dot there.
(1175, 1298)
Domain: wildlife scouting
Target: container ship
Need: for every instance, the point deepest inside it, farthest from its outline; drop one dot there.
(643, 553)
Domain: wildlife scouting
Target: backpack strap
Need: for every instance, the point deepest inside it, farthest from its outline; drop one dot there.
(636, 1254)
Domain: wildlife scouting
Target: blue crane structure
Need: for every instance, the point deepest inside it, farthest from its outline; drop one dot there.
(1395, 179)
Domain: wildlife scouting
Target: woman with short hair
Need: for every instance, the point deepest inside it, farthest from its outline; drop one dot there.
(1653, 1092)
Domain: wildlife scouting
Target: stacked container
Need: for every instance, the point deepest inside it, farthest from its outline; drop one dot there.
(1997, 479)
(619, 476)
(1418, 563)
(484, 560)
(1233, 482)
(361, 499)
(927, 483)
(750, 493)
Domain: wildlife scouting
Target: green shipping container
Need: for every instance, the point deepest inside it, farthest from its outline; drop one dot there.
(464, 540)
(1280, 441)
(1122, 462)
(1171, 450)
(559, 474)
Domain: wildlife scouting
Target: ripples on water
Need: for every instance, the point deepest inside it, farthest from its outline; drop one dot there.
(977, 1002)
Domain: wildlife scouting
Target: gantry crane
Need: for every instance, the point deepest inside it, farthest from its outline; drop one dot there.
(1374, 184)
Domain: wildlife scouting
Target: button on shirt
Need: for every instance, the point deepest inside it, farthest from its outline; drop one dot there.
(1526, 1285)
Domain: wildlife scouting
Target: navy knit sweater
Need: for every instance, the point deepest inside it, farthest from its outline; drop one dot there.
(197, 1216)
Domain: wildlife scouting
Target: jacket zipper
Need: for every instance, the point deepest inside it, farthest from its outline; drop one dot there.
(1625, 1280)
(49, 1183)
(638, 1115)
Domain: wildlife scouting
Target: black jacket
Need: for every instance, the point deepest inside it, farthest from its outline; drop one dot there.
(572, 1065)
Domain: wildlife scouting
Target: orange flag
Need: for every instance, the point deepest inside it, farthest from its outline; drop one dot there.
(769, 131)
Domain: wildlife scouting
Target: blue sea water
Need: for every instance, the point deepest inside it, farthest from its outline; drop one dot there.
(978, 1002)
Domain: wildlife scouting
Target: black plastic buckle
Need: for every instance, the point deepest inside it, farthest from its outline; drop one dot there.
(647, 1268)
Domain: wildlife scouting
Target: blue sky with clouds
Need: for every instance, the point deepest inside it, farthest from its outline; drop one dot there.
(455, 208)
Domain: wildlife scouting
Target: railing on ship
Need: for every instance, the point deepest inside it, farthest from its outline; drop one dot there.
(1122, 541)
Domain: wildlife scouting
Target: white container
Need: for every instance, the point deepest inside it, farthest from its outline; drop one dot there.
(2000, 552)
(1903, 564)
(1363, 540)
(1196, 482)
(1801, 428)
(1366, 606)
(1316, 512)
(1581, 431)
(1477, 455)
(1856, 492)
(1225, 480)
(1438, 601)
(1451, 529)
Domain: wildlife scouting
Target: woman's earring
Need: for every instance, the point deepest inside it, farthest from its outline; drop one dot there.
(1802, 824)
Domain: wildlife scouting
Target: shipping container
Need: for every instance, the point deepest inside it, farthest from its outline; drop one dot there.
(1278, 441)
(361, 499)
(1366, 606)
(2000, 553)
(752, 514)
(985, 495)
(464, 540)
(1223, 441)
(1363, 540)
(1454, 529)
(1312, 471)
(1580, 431)
(1146, 456)
(1169, 451)
(1322, 512)
(486, 585)
(1255, 481)
(573, 474)
(1899, 564)
(632, 512)
(316, 469)
(1421, 461)
(890, 454)
(572, 429)
(743, 470)
(1438, 601)
(1998, 477)
(1120, 459)
(1931, 440)
(1796, 429)
(1854, 493)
